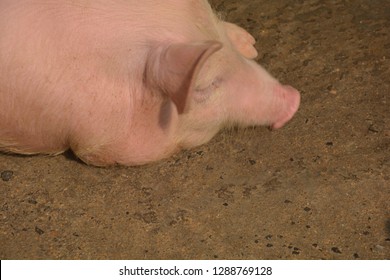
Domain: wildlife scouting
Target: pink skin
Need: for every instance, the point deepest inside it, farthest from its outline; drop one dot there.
(128, 82)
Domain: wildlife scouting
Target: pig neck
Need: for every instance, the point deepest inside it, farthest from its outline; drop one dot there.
(151, 130)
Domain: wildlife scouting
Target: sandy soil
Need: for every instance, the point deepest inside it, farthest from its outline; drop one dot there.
(317, 189)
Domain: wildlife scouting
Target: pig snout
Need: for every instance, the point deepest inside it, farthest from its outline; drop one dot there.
(288, 100)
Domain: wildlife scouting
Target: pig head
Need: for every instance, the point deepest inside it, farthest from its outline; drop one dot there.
(128, 82)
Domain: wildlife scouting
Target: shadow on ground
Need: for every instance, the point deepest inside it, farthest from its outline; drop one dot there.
(317, 189)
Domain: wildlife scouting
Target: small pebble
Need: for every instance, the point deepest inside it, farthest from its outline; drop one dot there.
(7, 175)
(39, 231)
(336, 250)
(379, 247)
(252, 162)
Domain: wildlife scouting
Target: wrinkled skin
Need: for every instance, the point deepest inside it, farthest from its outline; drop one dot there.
(126, 81)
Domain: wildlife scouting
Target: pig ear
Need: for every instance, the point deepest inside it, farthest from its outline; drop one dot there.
(179, 65)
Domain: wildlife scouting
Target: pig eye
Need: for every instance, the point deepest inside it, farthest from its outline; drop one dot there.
(204, 93)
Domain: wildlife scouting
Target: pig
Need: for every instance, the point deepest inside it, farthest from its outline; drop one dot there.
(128, 82)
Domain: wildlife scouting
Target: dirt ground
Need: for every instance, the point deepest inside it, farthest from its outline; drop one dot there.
(319, 188)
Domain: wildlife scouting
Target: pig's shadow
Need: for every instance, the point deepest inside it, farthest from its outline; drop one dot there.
(69, 155)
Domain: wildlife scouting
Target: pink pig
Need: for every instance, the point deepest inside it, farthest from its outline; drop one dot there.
(128, 81)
